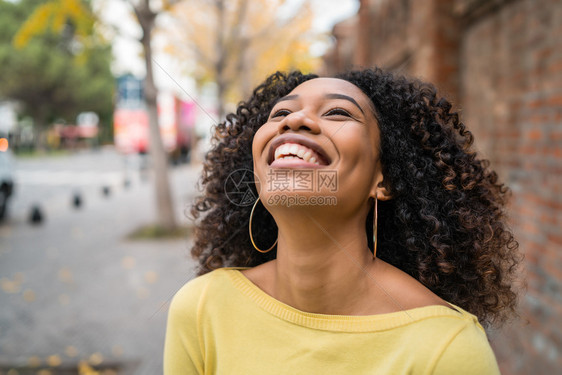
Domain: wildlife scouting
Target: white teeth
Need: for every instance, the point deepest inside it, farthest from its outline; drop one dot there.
(295, 151)
(289, 157)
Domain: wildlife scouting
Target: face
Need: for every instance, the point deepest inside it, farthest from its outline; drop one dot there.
(326, 126)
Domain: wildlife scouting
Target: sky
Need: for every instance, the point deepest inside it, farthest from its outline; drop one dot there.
(127, 49)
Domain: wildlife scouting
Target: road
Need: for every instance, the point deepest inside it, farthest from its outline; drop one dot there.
(74, 288)
(52, 181)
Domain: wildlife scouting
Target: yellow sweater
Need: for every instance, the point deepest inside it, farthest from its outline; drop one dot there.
(221, 323)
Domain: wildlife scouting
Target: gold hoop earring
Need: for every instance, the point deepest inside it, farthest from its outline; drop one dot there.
(250, 230)
(375, 217)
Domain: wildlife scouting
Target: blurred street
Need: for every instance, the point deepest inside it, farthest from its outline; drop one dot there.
(73, 287)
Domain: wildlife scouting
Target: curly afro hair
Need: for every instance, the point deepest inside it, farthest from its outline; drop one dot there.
(445, 224)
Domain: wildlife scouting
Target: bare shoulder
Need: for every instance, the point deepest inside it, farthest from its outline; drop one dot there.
(405, 291)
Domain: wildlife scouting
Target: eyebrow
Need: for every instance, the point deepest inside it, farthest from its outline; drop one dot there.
(328, 96)
(288, 97)
(345, 97)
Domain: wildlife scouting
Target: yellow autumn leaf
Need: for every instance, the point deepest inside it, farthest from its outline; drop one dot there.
(96, 359)
(151, 277)
(52, 16)
(29, 295)
(34, 361)
(65, 275)
(54, 360)
(128, 262)
(71, 351)
(237, 43)
(85, 369)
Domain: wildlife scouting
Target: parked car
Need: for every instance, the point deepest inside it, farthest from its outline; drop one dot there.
(6, 180)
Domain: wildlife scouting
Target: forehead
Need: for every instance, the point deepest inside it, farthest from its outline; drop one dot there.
(322, 86)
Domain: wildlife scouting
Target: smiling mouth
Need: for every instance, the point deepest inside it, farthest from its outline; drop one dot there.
(297, 148)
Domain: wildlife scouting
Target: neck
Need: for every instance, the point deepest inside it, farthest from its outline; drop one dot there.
(319, 261)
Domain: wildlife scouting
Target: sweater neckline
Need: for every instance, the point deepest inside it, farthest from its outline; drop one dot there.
(340, 323)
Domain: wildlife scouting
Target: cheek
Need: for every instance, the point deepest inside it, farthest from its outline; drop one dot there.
(357, 148)
(359, 160)
(258, 143)
(259, 148)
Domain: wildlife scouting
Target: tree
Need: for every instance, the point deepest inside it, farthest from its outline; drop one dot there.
(146, 17)
(53, 19)
(236, 43)
(47, 56)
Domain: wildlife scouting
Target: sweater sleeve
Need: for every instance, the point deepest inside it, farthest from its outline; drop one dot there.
(182, 349)
(467, 353)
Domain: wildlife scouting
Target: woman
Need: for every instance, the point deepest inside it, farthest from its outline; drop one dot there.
(376, 242)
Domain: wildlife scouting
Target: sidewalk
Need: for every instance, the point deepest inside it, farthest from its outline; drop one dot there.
(75, 289)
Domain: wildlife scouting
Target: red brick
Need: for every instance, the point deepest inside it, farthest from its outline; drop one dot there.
(556, 136)
(556, 239)
(547, 219)
(535, 104)
(557, 153)
(555, 68)
(534, 134)
(555, 101)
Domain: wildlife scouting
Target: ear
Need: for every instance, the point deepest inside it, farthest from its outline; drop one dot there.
(382, 192)
(380, 189)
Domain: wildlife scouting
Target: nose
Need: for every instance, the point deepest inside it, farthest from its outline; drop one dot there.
(299, 121)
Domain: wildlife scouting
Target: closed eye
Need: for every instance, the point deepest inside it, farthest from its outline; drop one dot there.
(281, 113)
(338, 112)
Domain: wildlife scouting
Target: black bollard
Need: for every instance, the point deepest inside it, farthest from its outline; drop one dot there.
(36, 216)
(77, 200)
(106, 190)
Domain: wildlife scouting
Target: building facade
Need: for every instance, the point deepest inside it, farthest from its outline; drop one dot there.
(500, 61)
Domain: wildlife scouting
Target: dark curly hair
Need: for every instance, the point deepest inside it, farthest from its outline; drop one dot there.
(445, 224)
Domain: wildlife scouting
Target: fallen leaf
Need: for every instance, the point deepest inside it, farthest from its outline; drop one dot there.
(151, 277)
(128, 262)
(71, 351)
(34, 361)
(117, 351)
(65, 275)
(29, 295)
(96, 359)
(54, 360)
(9, 286)
(85, 369)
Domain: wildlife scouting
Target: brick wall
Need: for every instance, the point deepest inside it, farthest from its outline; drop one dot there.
(511, 74)
(501, 62)
(396, 35)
